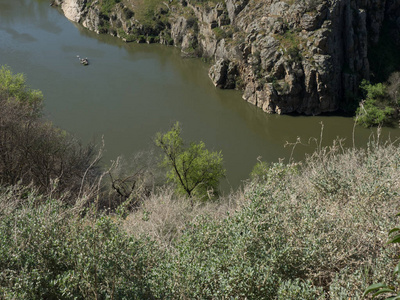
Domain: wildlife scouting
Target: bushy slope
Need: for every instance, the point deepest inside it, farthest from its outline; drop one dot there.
(297, 232)
(302, 232)
(47, 251)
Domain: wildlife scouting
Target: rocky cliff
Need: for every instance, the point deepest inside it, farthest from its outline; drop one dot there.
(291, 56)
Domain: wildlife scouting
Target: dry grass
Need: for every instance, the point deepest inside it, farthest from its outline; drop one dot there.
(345, 201)
(164, 215)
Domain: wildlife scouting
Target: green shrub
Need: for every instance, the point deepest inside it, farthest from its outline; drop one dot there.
(14, 88)
(376, 108)
(297, 289)
(246, 255)
(128, 14)
(193, 169)
(382, 288)
(294, 54)
(151, 12)
(107, 5)
(290, 42)
(221, 33)
(49, 252)
(192, 22)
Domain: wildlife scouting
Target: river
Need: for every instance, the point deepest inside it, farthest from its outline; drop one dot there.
(129, 92)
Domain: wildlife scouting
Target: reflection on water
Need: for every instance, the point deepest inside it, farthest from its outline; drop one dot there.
(131, 91)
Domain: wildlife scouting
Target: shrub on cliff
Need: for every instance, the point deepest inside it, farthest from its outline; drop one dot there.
(107, 5)
(381, 102)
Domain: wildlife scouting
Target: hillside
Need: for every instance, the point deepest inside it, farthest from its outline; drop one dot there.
(69, 229)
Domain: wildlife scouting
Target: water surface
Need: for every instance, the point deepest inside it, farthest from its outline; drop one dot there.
(131, 91)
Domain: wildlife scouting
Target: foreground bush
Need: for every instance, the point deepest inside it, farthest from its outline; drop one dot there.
(47, 251)
(312, 231)
(315, 230)
(381, 288)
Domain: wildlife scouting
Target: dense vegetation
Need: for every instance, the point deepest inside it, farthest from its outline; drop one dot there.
(377, 289)
(312, 230)
(380, 104)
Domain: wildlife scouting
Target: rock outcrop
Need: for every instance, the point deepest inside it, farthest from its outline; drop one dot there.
(305, 56)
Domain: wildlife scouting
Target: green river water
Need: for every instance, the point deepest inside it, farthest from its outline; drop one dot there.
(131, 91)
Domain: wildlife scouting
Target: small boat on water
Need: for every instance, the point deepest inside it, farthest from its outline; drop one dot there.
(83, 61)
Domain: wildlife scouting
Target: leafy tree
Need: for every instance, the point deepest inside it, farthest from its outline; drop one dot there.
(376, 108)
(193, 169)
(13, 87)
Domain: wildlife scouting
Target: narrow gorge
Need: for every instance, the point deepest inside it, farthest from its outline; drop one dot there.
(303, 56)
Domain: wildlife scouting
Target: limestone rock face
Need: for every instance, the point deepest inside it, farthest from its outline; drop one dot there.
(234, 7)
(218, 72)
(72, 9)
(303, 56)
(78, 11)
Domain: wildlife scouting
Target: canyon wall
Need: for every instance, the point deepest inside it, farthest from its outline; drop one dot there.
(292, 56)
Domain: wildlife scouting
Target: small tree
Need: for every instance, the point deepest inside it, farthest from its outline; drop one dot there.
(376, 108)
(193, 169)
(13, 87)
